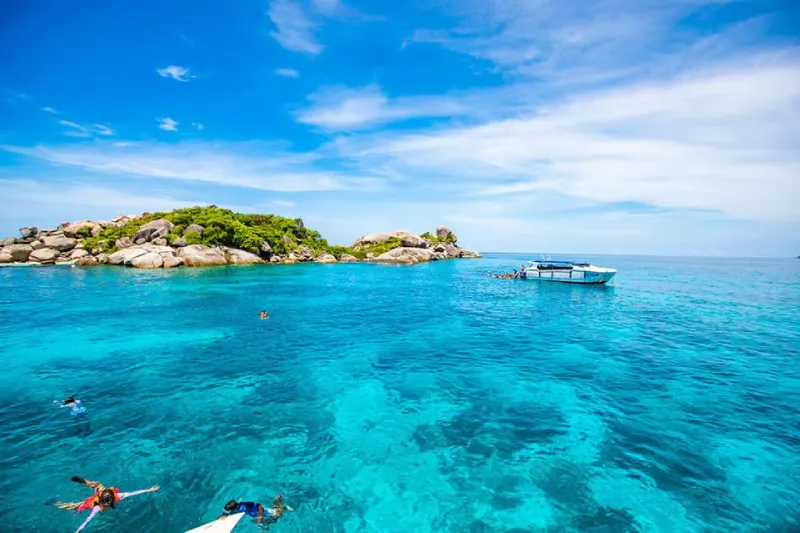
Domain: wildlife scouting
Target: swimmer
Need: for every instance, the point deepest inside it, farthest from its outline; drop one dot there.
(256, 510)
(264, 315)
(78, 412)
(76, 408)
(102, 499)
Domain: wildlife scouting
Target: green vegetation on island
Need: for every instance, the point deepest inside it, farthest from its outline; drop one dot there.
(223, 227)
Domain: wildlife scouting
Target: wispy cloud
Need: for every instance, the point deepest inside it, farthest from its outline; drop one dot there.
(176, 73)
(340, 108)
(326, 6)
(284, 203)
(75, 129)
(69, 200)
(198, 126)
(579, 42)
(81, 130)
(721, 140)
(167, 124)
(341, 11)
(48, 109)
(249, 165)
(287, 72)
(293, 29)
(102, 129)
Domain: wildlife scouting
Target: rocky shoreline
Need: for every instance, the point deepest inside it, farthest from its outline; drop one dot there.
(149, 247)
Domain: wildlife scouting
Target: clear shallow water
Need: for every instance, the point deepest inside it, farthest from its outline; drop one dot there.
(425, 398)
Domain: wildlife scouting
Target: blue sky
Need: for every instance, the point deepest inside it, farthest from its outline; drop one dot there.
(608, 126)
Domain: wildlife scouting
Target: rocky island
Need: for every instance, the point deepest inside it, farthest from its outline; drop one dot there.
(211, 236)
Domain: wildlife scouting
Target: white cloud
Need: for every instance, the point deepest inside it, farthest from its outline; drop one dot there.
(248, 165)
(36, 198)
(48, 109)
(337, 108)
(101, 129)
(293, 30)
(578, 42)
(284, 203)
(176, 73)
(167, 124)
(287, 72)
(198, 126)
(326, 6)
(722, 140)
(76, 130)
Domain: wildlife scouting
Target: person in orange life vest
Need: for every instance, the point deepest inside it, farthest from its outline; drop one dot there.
(102, 499)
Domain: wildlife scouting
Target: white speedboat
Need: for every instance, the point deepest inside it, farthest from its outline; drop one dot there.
(567, 272)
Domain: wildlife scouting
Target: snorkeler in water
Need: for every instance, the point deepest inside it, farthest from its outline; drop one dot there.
(101, 500)
(78, 412)
(264, 315)
(256, 510)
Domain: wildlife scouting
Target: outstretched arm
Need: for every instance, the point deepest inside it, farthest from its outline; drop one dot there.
(95, 510)
(123, 495)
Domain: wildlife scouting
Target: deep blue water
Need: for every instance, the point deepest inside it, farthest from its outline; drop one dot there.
(413, 399)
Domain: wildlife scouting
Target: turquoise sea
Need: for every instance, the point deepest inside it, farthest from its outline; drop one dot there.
(413, 399)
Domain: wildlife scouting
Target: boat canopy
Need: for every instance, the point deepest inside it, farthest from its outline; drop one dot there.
(548, 262)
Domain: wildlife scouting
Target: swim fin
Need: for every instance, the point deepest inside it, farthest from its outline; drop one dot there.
(76, 479)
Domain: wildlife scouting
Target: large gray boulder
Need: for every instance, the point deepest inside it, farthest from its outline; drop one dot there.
(124, 242)
(327, 259)
(241, 257)
(5, 256)
(452, 251)
(19, 253)
(405, 255)
(347, 258)
(445, 234)
(121, 220)
(43, 255)
(60, 242)
(410, 240)
(196, 255)
(180, 242)
(171, 261)
(135, 256)
(126, 255)
(8, 241)
(87, 261)
(37, 245)
(304, 253)
(147, 260)
(152, 230)
(78, 253)
(265, 250)
(372, 238)
(29, 233)
(72, 229)
(197, 228)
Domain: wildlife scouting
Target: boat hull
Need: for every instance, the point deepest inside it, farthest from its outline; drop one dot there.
(587, 277)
